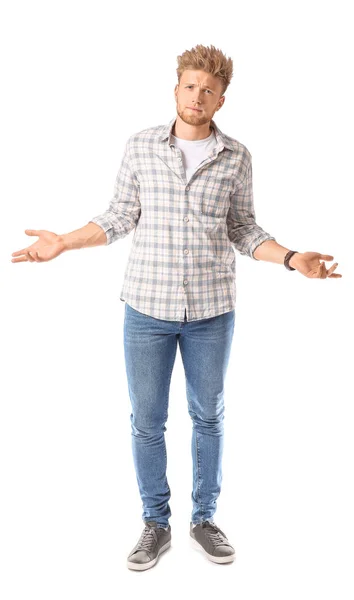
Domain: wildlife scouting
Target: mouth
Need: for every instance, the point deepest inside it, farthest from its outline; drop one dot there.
(196, 109)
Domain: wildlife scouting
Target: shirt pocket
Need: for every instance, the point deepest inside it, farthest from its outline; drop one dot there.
(218, 243)
(215, 200)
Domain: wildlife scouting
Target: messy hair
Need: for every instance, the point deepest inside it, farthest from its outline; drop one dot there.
(208, 59)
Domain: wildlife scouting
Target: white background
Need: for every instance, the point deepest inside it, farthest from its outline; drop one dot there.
(77, 79)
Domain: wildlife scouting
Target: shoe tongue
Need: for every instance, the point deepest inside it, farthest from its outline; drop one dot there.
(152, 523)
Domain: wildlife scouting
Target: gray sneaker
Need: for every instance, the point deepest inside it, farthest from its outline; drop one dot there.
(152, 542)
(208, 538)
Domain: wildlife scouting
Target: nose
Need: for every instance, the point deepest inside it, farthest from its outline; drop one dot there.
(196, 99)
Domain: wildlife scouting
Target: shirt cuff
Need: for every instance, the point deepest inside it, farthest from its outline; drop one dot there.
(106, 226)
(257, 242)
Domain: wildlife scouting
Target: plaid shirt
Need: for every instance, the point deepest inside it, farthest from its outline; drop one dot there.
(182, 255)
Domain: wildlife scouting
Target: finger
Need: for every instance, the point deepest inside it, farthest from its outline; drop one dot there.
(21, 259)
(319, 271)
(29, 257)
(18, 252)
(32, 231)
(335, 275)
(34, 255)
(332, 268)
(323, 274)
(326, 257)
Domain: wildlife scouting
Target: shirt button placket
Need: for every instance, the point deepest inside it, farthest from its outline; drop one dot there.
(186, 251)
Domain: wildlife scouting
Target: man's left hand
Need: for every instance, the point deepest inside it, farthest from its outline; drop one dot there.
(308, 263)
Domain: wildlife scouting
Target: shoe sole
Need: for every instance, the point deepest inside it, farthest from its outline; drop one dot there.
(143, 566)
(216, 559)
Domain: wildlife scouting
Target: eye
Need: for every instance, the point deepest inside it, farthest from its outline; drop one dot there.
(190, 86)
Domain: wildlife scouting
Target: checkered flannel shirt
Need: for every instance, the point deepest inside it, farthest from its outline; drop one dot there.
(182, 255)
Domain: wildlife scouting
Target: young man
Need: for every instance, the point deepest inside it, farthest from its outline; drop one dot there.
(186, 188)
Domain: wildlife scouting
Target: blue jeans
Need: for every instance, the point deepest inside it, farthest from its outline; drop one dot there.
(150, 349)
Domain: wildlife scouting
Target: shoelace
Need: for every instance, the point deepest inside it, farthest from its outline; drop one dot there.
(147, 538)
(215, 534)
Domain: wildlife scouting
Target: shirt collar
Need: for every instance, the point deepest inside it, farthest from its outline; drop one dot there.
(221, 139)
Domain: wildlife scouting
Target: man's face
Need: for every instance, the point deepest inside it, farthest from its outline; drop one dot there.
(200, 90)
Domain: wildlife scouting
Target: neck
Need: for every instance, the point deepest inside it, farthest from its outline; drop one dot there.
(185, 131)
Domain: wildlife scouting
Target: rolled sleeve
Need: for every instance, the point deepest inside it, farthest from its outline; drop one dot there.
(124, 209)
(243, 231)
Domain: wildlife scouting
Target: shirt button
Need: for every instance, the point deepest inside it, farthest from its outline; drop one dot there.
(185, 282)
(187, 188)
(186, 251)
(185, 219)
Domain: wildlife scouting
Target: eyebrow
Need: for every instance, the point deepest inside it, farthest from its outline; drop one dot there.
(206, 87)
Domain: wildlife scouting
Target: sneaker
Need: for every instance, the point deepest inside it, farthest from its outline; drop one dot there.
(208, 538)
(152, 542)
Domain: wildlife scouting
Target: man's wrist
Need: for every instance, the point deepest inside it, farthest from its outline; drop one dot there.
(293, 260)
(62, 241)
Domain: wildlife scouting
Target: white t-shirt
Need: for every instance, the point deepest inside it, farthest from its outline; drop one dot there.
(194, 151)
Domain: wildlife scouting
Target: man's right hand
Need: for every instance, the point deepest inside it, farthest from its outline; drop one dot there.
(48, 246)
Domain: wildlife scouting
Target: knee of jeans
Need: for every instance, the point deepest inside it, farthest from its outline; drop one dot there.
(211, 423)
(143, 428)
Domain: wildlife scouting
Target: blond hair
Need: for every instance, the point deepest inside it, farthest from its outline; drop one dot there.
(208, 59)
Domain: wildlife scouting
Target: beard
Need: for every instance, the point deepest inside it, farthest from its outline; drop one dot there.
(193, 118)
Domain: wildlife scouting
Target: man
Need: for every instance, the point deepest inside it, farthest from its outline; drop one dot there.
(186, 188)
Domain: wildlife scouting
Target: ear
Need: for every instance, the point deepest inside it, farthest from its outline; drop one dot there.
(176, 90)
(221, 102)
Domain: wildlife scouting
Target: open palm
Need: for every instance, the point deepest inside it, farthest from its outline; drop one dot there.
(48, 246)
(310, 265)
